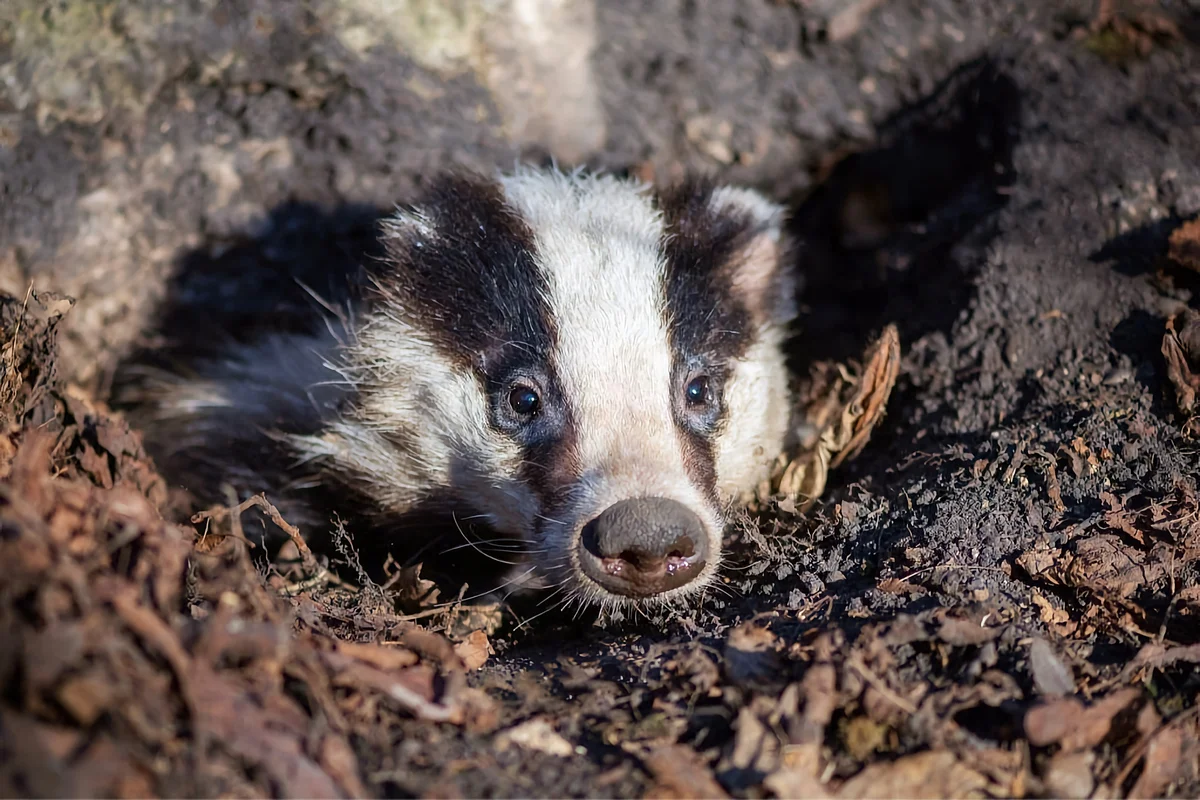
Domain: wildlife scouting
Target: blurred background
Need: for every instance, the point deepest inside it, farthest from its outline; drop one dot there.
(133, 132)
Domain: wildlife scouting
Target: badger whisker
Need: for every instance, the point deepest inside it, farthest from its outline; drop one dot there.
(561, 587)
(477, 548)
(529, 620)
(497, 544)
(458, 601)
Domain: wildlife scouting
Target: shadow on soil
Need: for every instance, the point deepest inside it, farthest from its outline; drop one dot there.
(877, 232)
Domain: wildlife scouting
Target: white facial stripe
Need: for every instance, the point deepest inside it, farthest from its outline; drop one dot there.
(757, 413)
(598, 243)
(405, 380)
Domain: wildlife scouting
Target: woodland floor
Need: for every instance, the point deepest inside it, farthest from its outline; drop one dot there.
(998, 597)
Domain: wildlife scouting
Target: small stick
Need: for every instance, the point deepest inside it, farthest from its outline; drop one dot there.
(1139, 750)
(967, 567)
(260, 501)
(855, 662)
(293, 589)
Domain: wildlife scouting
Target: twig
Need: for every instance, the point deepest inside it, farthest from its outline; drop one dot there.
(856, 663)
(260, 501)
(1132, 759)
(967, 567)
(24, 308)
(299, 587)
(1158, 657)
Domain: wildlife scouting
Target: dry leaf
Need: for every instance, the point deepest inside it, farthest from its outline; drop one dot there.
(1181, 349)
(535, 734)
(1163, 762)
(1051, 676)
(795, 783)
(933, 774)
(388, 658)
(897, 586)
(842, 409)
(414, 593)
(474, 650)
(1076, 727)
(1184, 247)
(680, 773)
(1069, 775)
(751, 652)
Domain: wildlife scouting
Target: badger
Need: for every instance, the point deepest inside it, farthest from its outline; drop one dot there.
(580, 363)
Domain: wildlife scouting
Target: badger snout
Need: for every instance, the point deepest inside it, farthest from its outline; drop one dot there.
(643, 547)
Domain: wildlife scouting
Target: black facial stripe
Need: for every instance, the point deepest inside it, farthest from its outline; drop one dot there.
(704, 315)
(706, 320)
(551, 467)
(475, 288)
(696, 445)
(473, 285)
(700, 462)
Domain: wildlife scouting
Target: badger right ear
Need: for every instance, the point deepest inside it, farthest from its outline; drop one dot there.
(760, 266)
(733, 240)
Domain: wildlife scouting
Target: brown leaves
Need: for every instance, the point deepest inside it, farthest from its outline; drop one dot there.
(1073, 726)
(1071, 747)
(679, 773)
(1184, 245)
(878, 707)
(931, 774)
(1181, 349)
(1164, 751)
(107, 676)
(1181, 342)
(271, 736)
(1164, 759)
(474, 650)
(1122, 32)
(28, 329)
(842, 408)
(108, 586)
(928, 774)
(1132, 547)
(750, 653)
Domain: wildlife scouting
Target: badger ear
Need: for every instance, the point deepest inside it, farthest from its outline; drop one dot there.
(761, 267)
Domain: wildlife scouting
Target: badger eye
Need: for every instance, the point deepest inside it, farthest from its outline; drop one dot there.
(697, 391)
(524, 401)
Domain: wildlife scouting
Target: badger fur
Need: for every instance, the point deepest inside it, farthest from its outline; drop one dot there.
(585, 364)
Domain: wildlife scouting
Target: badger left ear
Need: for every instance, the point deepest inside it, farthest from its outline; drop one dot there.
(760, 267)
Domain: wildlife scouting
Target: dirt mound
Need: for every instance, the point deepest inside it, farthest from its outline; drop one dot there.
(142, 657)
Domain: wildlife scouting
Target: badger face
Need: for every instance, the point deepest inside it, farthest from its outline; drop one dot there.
(589, 365)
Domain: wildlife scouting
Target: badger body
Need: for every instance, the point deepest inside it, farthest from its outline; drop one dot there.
(586, 365)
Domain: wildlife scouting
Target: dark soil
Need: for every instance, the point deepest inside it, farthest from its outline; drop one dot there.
(999, 596)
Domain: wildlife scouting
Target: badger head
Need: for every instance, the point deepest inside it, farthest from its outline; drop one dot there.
(589, 365)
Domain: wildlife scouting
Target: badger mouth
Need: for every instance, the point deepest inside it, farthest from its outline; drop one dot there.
(642, 548)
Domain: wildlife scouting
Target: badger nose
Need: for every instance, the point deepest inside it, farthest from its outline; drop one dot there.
(643, 546)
